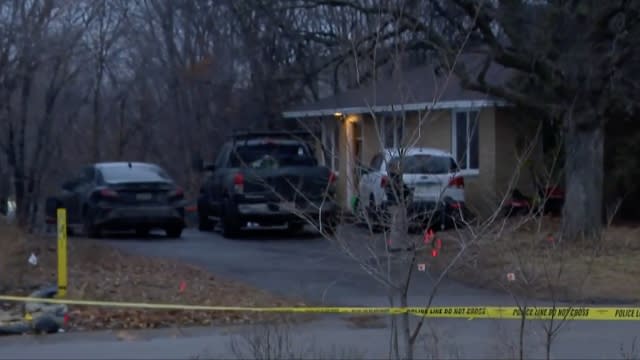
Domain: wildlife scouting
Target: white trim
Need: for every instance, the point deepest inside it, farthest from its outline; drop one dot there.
(454, 139)
(440, 105)
(329, 145)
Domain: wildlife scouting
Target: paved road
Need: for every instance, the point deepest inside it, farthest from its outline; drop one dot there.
(307, 266)
(331, 339)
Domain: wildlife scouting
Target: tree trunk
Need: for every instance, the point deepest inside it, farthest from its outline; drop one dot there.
(584, 172)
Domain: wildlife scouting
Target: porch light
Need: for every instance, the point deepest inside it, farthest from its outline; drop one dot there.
(337, 114)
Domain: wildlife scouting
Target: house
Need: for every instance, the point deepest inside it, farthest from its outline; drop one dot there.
(426, 106)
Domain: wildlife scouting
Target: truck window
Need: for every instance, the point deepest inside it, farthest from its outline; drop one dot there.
(272, 155)
(424, 164)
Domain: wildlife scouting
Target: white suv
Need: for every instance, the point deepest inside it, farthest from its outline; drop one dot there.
(431, 176)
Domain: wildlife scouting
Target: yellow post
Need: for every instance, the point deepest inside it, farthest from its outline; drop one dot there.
(62, 252)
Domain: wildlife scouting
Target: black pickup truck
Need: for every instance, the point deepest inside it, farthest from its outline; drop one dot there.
(267, 179)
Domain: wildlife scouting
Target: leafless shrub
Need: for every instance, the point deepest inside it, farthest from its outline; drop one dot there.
(277, 341)
(632, 352)
(441, 344)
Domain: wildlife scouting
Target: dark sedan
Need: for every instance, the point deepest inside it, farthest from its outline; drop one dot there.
(122, 196)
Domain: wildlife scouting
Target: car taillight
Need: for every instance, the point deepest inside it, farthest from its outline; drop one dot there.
(384, 181)
(457, 182)
(178, 193)
(108, 193)
(332, 177)
(238, 183)
(554, 192)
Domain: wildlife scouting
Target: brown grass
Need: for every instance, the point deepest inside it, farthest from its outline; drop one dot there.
(546, 268)
(99, 272)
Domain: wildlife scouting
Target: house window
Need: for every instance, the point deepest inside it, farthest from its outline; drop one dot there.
(331, 144)
(392, 131)
(465, 139)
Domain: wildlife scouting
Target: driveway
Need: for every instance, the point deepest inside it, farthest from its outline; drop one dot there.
(310, 267)
(307, 266)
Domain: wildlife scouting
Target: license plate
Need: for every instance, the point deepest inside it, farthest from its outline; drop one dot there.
(144, 196)
(288, 206)
(424, 190)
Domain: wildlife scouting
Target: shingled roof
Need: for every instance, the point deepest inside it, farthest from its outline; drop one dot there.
(418, 88)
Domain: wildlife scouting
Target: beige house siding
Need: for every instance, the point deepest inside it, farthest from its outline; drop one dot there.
(371, 139)
(434, 132)
(432, 129)
(498, 155)
(519, 149)
(480, 188)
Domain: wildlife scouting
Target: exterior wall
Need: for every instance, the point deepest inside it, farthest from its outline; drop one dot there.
(435, 129)
(518, 150)
(432, 129)
(498, 153)
(480, 190)
(371, 140)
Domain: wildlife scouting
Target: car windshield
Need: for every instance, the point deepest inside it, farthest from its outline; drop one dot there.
(135, 173)
(272, 155)
(423, 164)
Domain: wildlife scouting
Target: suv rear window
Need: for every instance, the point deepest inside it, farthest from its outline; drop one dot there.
(272, 155)
(423, 164)
(135, 173)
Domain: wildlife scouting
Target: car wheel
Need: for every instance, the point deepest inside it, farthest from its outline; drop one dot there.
(329, 225)
(230, 225)
(142, 232)
(361, 212)
(90, 229)
(173, 232)
(295, 227)
(375, 215)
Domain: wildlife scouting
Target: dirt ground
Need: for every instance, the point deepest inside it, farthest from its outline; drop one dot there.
(533, 262)
(99, 272)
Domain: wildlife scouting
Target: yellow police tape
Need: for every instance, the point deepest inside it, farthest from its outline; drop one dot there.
(461, 312)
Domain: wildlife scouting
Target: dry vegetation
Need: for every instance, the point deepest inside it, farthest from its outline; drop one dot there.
(99, 272)
(546, 268)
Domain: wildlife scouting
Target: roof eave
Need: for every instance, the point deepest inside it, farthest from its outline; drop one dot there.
(441, 105)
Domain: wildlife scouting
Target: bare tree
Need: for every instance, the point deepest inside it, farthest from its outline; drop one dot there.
(512, 35)
(45, 39)
(102, 39)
